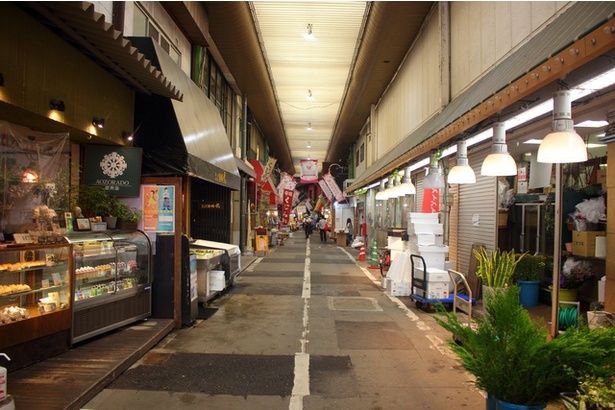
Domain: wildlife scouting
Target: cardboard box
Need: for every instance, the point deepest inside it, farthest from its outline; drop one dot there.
(584, 242)
(341, 239)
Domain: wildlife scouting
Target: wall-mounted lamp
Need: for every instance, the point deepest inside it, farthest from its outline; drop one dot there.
(462, 173)
(499, 162)
(29, 176)
(562, 145)
(1, 79)
(127, 136)
(57, 105)
(98, 122)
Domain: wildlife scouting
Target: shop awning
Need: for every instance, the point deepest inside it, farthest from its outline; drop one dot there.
(87, 30)
(245, 167)
(182, 137)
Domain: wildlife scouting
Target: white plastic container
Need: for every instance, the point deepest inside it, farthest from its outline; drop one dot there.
(3, 379)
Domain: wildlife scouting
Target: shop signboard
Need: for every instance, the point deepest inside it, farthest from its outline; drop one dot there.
(117, 170)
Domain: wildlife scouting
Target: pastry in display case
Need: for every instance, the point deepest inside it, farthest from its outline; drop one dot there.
(112, 280)
(35, 299)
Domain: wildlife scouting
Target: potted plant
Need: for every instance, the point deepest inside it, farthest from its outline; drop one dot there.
(598, 317)
(94, 201)
(593, 393)
(512, 359)
(527, 276)
(496, 268)
(128, 216)
(573, 274)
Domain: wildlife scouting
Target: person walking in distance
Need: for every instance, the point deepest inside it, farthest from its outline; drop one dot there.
(322, 223)
(349, 231)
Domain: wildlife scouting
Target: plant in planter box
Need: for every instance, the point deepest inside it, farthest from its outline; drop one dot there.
(94, 201)
(129, 217)
(512, 360)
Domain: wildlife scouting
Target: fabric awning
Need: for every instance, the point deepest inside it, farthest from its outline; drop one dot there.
(182, 137)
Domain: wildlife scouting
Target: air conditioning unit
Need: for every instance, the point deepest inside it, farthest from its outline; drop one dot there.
(347, 183)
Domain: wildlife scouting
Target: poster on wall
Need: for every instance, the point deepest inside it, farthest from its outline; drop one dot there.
(158, 208)
(117, 170)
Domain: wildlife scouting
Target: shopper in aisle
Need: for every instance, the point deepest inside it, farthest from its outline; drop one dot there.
(349, 231)
(322, 223)
(308, 225)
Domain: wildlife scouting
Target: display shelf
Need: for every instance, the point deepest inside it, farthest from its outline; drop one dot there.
(35, 300)
(112, 280)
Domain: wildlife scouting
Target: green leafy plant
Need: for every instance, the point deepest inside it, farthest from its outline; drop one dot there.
(94, 201)
(530, 267)
(127, 213)
(593, 393)
(511, 358)
(496, 268)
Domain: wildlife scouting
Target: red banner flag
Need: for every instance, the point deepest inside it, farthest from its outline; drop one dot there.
(287, 204)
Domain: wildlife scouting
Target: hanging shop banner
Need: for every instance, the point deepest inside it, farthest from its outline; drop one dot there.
(431, 200)
(287, 205)
(335, 189)
(326, 190)
(309, 171)
(268, 170)
(320, 203)
(158, 208)
(296, 198)
(114, 169)
(286, 182)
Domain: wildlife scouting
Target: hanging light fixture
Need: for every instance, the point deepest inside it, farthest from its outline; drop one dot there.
(309, 145)
(462, 173)
(381, 196)
(309, 127)
(433, 180)
(405, 187)
(562, 145)
(310, 97)
(499, 162)
(308, 35)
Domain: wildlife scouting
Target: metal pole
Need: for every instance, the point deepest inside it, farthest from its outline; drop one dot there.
(557, 251)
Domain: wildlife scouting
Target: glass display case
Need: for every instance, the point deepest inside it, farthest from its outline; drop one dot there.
(35, 300)
(112, 280)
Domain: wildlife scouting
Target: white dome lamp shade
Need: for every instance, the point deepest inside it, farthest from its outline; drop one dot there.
(562, 145)
(406, 187)
(499, 162)
(381, 195)
(433, 180)
(462, 173)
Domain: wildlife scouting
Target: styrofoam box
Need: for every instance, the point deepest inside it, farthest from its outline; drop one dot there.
(424, 217)
(396, 253)
(398, 288)
(394, 242)
(432, 275)
(443, 249)
(432, 260)
(428, 239)
(216, 280)
(435, 228)
(434, 290)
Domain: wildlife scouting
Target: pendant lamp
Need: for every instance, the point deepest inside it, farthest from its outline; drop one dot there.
(406, 187)
(462, 173)
(381, 196)
(499, 162)
(433, 180)
(562, 145)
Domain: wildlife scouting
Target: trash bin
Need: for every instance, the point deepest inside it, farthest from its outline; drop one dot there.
(341, 238)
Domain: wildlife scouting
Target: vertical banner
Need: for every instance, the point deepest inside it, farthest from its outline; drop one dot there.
(268, 170)
(158, 208)
(309, 171)
(287, 204)
(286, 182)
(431, 200)
(335, 189)
(326, 190)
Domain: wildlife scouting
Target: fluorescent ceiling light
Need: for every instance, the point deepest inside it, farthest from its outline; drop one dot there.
(592, 124)
(533, 141)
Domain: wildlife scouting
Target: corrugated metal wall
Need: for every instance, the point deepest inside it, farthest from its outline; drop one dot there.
(477, 211)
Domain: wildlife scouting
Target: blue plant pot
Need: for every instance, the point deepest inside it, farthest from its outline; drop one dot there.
(502, 405)
(491, 402)
(529, 292)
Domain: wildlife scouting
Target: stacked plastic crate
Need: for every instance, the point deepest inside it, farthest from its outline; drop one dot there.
(426, 238)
